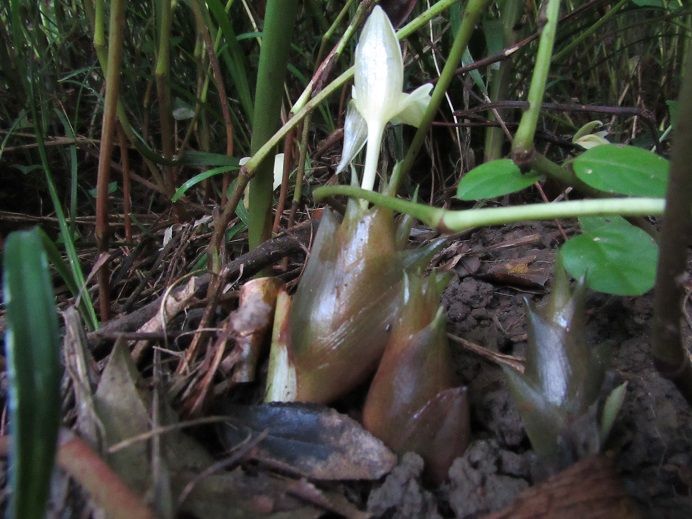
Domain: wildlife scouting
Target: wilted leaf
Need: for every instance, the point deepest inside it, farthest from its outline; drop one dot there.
(123, 404)
(313, 440)
(589, 485)
(250, 324)
(522, 272)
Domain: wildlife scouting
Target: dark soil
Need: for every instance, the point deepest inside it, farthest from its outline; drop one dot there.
(651, 441)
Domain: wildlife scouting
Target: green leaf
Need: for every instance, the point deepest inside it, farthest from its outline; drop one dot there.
(616, 257)
(180, 192)
(623, 169)
(494, 178)
(673, 110)
(587, 129)
(31, 343)
(611, 408)
(112, 188)
(648, 3)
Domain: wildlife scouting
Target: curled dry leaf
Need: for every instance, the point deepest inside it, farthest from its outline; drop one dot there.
(250, 324)
(313, 440)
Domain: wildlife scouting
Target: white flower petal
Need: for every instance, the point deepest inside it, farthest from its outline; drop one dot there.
(379, 69)
(412, 106)
(355, 135)
(591, 140)
(278, 169)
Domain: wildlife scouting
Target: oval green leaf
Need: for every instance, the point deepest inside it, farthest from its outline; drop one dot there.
(616, 259)
(494, 178)
(626, 170)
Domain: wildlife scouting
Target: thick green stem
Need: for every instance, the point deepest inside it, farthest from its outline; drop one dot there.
(472, 13)
(276, 41)
(456, 221)
(670, 355)
(522, 147)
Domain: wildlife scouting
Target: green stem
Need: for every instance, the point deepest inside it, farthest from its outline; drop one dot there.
(276, 41)
(372, 156)
(456, 221)
(334, 54)
(150, 156)
(110, 106)
(522, 147)
(585, 35)
(564, 175)
(471, 15)
(162, 74)
(494, 136)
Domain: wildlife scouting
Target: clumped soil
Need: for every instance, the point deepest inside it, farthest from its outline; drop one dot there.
(651, 443)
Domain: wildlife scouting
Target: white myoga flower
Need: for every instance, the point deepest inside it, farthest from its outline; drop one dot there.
(378, 96)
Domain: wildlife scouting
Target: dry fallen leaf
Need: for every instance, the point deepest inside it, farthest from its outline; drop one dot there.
(312, 440)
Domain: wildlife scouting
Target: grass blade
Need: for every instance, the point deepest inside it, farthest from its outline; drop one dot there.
(31, 343)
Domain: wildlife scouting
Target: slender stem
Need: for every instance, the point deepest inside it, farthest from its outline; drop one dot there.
(333, 55)
(300, 174)
(585, 35)
(218, 81)
(494, 136)
(522, 147)
(669, 352)
(115, 47)
(278, 31)
(150, 156)
(472, 13)
(456, 221)
(372, 156)
(162, 75)
(564, 175)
